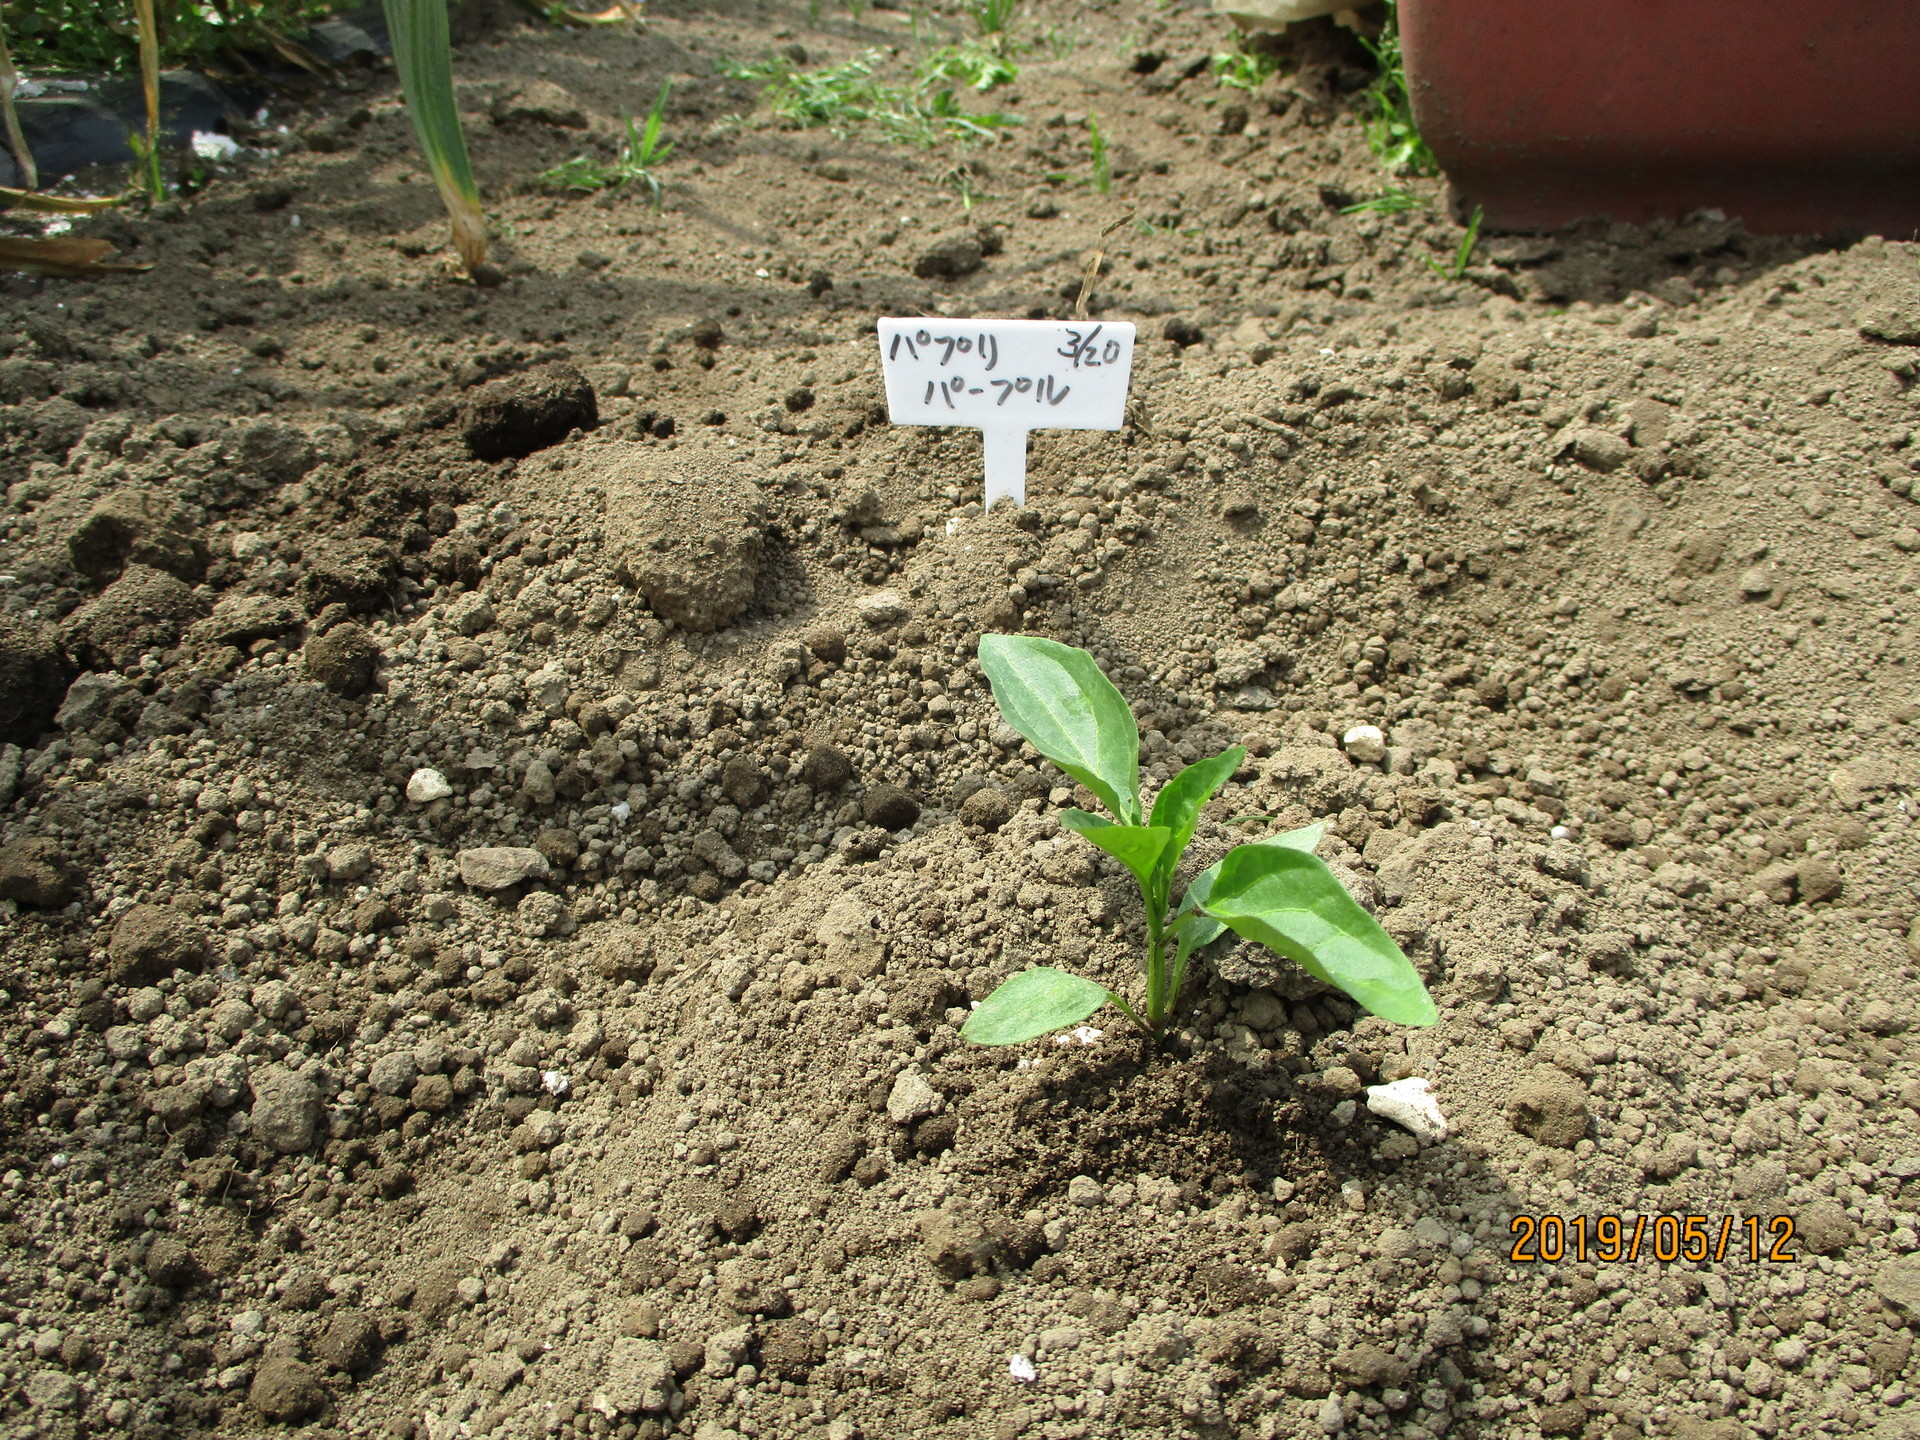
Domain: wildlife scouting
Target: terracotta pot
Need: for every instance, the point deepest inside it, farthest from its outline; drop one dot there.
(1796, 116)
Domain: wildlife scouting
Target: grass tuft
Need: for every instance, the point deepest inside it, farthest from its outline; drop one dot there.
(1241, 69)
(1456, 268)
(1391, 202)
(642, 149)
(1391, 133)
(1102, 161)
(992, 17)
(844, 97)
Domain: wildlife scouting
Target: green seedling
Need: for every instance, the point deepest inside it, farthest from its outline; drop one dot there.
(991, 17)
(643, 148)
(1239, 70)
(1391, 132)
(844, 96)
(1455, 268)
(147, 151)
(1392, 202)
(959, 178)
(971, 65)
(1102, 162)
(1273, 891)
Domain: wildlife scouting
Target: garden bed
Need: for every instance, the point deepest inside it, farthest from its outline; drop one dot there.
(314, 1114)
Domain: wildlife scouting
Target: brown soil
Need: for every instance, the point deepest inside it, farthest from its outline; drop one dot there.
(320, 1110)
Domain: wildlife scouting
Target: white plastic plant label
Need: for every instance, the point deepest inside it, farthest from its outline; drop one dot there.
(1004, 378)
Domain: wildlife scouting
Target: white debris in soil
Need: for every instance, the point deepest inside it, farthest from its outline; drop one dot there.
(1366, 744)
(1409, 1103)
(1021, 1369)
(211, 145)
(425, 786)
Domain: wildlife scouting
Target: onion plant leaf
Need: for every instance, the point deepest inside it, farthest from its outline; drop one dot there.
(1033, 1003)
(1071, 713)
(1289, 901)
(423, 57)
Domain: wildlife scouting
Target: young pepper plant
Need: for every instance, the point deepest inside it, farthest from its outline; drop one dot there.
(1273, 891)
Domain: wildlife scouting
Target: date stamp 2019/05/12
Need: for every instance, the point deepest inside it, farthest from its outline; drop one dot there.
(1668, 1239)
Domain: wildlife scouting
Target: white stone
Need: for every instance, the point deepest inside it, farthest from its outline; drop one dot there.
(911, 1098)
(393, 1073)
(212, 145)
(637, 1380)
(1021, 1369)
(426, 786)
(1083, 1035)
(1365, 744)
(882, 607)
(286, 1110)
(1085, 1190)
(495, 867)
(1409, 1103)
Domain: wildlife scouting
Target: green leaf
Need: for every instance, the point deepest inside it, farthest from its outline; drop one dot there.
(1033, 1003)
(423, 59)
(1181, 799)
(1056, 696)
(1138, 847)
(1193, 903)
(1289, 901)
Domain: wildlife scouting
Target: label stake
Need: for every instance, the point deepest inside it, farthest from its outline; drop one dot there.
(1005, 378)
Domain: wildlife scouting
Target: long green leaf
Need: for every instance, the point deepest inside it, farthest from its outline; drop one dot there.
(1289, 901)
(39, 201)
(1181, 799)
(1033, 1003)
(147, 29)
(1141, 848)
(423, 56)
(1056, 696)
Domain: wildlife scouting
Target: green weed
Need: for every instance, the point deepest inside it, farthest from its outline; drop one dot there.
(992, 17)
(642, 149)
(1239, 70)
(1059, 43)
(1463, 256)
(974, 66)
(959, 179)
(97, 36)
(1391, 132)
(1392, 202)
(843, 97)
(1102, 161)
